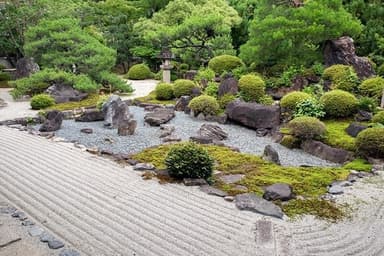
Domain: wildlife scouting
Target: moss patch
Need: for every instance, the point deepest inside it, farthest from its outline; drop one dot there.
(358, 164)
(337, 136)
(151, 98)
(90, 101)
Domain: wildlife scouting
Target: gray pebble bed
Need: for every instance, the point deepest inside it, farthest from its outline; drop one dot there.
(146, 136)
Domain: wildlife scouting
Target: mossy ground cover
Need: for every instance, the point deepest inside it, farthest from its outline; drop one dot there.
(337, 136)
(90, 101)
(308, 183)
(151, 98)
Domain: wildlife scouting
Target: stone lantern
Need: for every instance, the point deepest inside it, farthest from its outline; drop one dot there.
(166, 56)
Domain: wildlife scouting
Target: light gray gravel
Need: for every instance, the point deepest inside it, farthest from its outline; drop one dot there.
(146, 136)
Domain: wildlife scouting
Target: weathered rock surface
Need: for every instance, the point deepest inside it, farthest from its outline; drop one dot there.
(326, 152)
(342, 51)
(91, 115)
(53, 121)
(25, 67)
(201, 139)
(254, 115)
(231, 178)
(126, 127)
(212, 131)
(271, 155)
(252, 202)
(87, 130)
(228, 86)
(278, 191)
(159, 116)
(194, 182)
(65, 93)
(363, 116)
(355, 128)
(213, 191)
(144, 167)
(115, 111)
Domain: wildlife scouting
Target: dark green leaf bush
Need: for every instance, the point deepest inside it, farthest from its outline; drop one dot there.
(373, 87)
(378, 118)
(224, 63)
(183, 87)
(306, 127)
(189, 160)
(343, 77)
(205, 74)
(370, 142)
(85, 84)
(309, 107)
(290, 100)
(367, 104)
(338, 103)
(4, 76)
(204, 104)
(225, 100)
(139, 72)
(251, 87)
(41, 101)
(212, 89)
(164, 91)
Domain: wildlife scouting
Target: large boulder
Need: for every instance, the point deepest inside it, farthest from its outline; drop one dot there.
(182, 104)
(115, 111)
(52, 122)
(254, 115)
(254, 203)
(126, 127)
(212, 131)
(342, 51)
(323, 151)
(228, 86)
(65, 93)
(278, 191)
(25, 67)
(92, 115)
(159, 116)
(270, 154)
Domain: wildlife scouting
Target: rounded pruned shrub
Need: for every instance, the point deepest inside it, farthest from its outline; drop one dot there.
(372, 87)
(378, 118)
(183, 87)
(251, 87)
(338, 103)
(306, 127)
(290, 100)
(370, 142)
(205, 104)
(41, 101)
(205, 74)
(223, 63)
(225, 100)
(139, 72)
(164, 91)
(342, 77)
(189, 160)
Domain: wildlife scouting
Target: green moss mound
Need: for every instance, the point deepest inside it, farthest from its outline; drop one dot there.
(164, 91)
(358, 164)
(223, 63)
(290, 141)
(370, 142)
(378, 118)
(225, 100)
(373, 87)
(139, 72)
(252, 88)
(205, 104)
(338, 103)
(306, 127)
(90, 101)
(183, 87)
(290, 100)
(336, 135)
(343, 77)
(41, 101)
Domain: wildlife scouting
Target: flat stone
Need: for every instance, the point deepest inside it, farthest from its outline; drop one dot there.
(229, 198)
(201, 139)
(35, 231)
(171, 138)
(93, 150)
(278, 191)
(213, 191)
(20, 215)
(46, 237)
(336, 190)
(241, 188)
(86, 130)
(69, 252)
(271, 155)
(194, 182)
(132, 161)
(7, 210)
(254, 203)
(27, 223)
(55, 244)
(232, 178)
(143, 167)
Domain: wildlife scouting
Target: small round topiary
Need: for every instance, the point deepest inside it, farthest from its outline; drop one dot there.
(223, 63)
(290, 100)
(183, 87)
(373, 87)
(343, 77)
(204, 104)
(41, 101)
(378, 118)
(164, 91)
(251, 87)
(338, 103)
(225, 100)
(305, 127)
(212, 89)
(139, 72)
(189, 160)
(370, 142)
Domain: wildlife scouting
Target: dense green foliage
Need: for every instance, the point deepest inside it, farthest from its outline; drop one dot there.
(338, 103)
(378, 118)
(370, 142)
(306, 127)
(139, 72)
(164, 91)
(252, 88)
(41, 101)
(225, 100)
(205, 104)
(367, 104)
(309, 107)
(290, 100)
(373, 87)
(212, 89)
(342, 77)
(183, 87)
(224, 63)
(113, 83)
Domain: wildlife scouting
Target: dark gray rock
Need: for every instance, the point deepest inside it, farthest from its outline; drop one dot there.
(254, 115)
(228, 86)
(201, 139)
(159, 116)
(278, 191)
(271, 155)
(196, 91)
(144, 167)
(190, 74)
(212, 131)
(46, 237)
(336, 190)
(35, 231)
(69, 252)
(53, 121)
(25, 67)
(132, 162)
(166, 130)
(342, 51)
(231, 178)
(55, 244)
(92, 115)
(355, 128)
(8, 210)
(65, 93)
(27, 223)
(194, 182)
(363, 116)
(87, 130)
(126, 127)
(352, 178)
(262, 132)
(115, 111)
(326, 152)
(254, 203)
(213, 191)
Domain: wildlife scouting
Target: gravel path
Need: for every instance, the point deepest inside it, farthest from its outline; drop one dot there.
(14, 109)
(146, 136)
(142, 88)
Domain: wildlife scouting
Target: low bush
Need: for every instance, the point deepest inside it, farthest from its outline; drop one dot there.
(367, 104)
(338, 103)
(183, 87)
(164, 91)
(139, 72)
(290, 141)
(225, 100)
(212, 89)
(204, 104)
(189, 160)
(41, 101)
(251, 87)
(378, 118)
(290, 100)
(114, 83)
(224, 63)
(373, 87)
(266, 100)
(309, 107)
(85, 84)
(306, 127)
(101, 100)
(204, 74)
(370, 142)
(342, 77)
